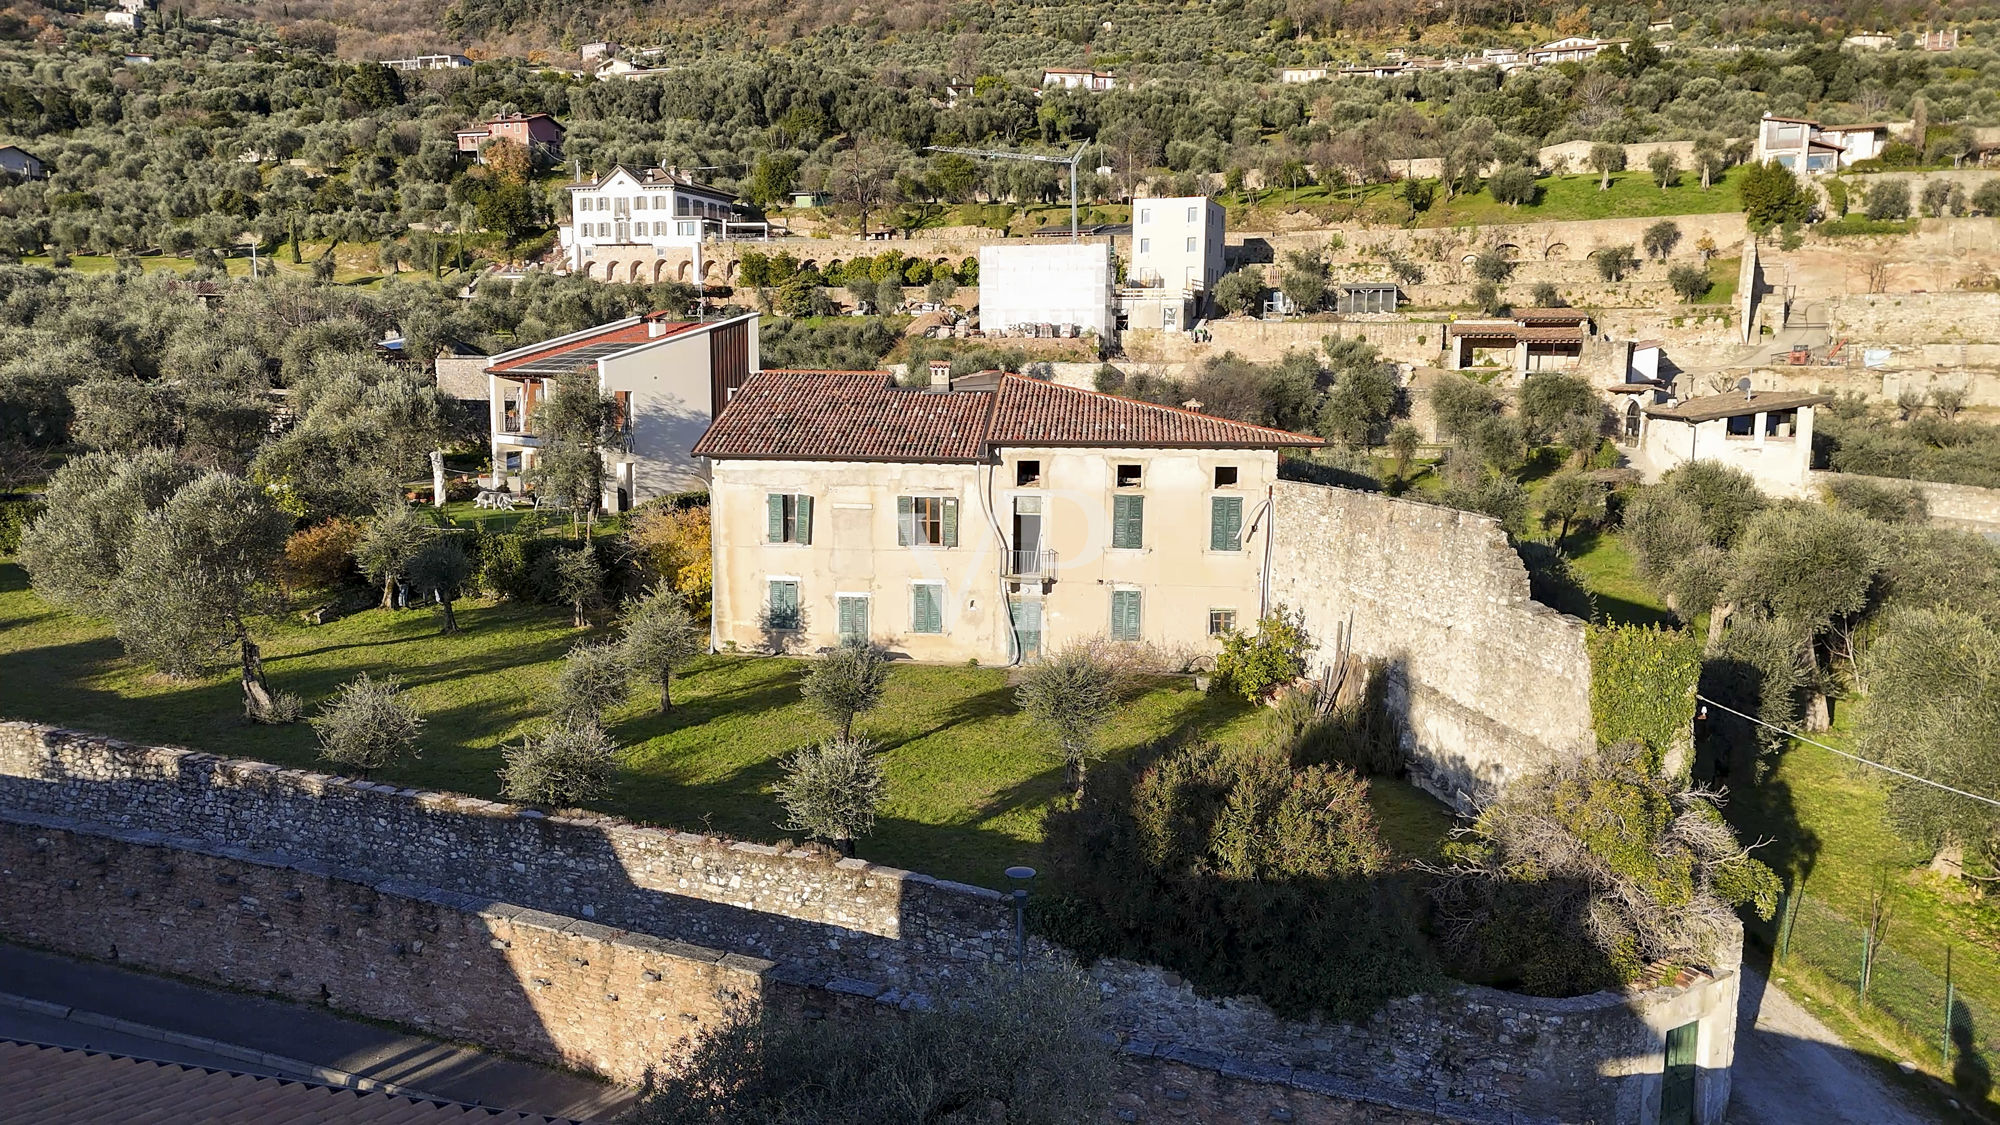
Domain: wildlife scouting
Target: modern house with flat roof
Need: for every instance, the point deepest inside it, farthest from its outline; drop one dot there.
(18, 161)
(1523, 340)
(1766, 434)
(1071, 78)
(991, 519)
(667, 377)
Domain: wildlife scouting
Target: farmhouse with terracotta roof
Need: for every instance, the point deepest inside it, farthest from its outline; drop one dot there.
(991, 518)
(667, 378)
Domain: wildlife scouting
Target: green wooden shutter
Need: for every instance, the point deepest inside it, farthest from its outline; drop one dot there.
(1125, 615)
(1225, 526)
(784, 605)
(853, 618)
(1677, 1082)
(905, 522)
(804, 531)
(774, 512)
(926, 609)
(1128, 521)
(951, 521)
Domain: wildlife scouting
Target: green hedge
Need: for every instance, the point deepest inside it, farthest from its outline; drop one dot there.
(15, 515)
(1642, 685)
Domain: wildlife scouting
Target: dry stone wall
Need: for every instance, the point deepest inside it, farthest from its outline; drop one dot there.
(558, 989)
(1487, 683)
(1963, 506)
(390, 903)
(824, 919)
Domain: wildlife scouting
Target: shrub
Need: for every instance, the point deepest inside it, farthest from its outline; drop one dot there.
(673, 542)
(1255, 666)
(368, 724)
(1689, 283)
(576, 579)
(1578, 877)
(1889, 199)
(1614, 262)
(15, 516)
(1486, 298)
(1357, 732)
(1192, 849)
(1642, 687)
(832, 789)
(593, 680)
(1492, 264)
(560, 764)
(504, 566)
(846, 682)
(1240, 291)
(1069, 694)
(1772, 195)
(1514, 185)
(320, 556)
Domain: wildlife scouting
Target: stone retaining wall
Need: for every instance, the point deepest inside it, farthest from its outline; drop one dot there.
(557, 989)
(1963, 506)
(390, 868)
(1488, 683)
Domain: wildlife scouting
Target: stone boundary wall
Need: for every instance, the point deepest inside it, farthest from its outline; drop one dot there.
(557, 989)
(1963, 506)
(842, 938)
(822, 917)
(1487, 683)
(1914, 318)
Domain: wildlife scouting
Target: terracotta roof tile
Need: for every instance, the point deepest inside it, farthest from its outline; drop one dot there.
(1032, 412)
(846, 416)
(587, 348)
(854, 416)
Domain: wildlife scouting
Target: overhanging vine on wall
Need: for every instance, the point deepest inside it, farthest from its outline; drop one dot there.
(1642, 685)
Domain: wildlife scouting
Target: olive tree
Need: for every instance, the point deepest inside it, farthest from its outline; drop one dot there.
(832, 789)
(439, 571)
(389, 545)
(846, 682)
(661, 635)
(75, 549)
(368, 724)
(195, 574)
(559, 764)
(1573, 499)
(1605, 159)
(577, 580)
(1069, 695)
(593, 679)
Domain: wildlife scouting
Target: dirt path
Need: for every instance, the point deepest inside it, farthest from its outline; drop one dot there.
(1791, 1069)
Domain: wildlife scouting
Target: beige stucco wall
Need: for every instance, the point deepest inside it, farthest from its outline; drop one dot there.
(855, 552)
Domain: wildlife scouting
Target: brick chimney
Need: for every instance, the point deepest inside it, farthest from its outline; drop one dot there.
(940, 374)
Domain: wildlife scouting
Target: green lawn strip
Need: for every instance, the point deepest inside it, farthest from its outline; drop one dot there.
(1826, 820)
(969, 778)
(1610, 572)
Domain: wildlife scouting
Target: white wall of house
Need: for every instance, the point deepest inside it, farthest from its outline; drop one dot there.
(668, 389)
(1177, 241)
(1064, 283)
(1779, 463)
(622, 211)
(1164, 572)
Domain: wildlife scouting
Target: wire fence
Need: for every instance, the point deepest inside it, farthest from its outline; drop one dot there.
(1891, 976)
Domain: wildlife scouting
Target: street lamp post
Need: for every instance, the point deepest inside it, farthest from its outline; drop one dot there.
(1020, 875)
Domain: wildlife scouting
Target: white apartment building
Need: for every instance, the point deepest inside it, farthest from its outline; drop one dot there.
(1067, 283)
(632, 216)
(1176, 261)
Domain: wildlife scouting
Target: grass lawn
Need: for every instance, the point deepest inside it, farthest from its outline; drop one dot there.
(1609, 570)
(1827, 823)
(969, 777)
(1632, 194)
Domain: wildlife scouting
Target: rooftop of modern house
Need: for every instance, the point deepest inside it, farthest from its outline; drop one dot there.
(583, 349)
(864, 416)
(1734, 404)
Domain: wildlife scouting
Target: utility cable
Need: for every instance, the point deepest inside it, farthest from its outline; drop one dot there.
(1845, 754)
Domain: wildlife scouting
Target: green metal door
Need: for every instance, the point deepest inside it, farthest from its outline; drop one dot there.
(1027, 615)
(1677, 1084)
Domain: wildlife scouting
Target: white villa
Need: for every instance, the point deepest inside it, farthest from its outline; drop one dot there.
(636, 224)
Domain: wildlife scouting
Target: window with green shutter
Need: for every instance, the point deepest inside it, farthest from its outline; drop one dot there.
(927, 607)
(788, 518)
(1128, 522)
(852, 619)
(784, 605)
(1124, 615)
(1225, 523)
(927, 521)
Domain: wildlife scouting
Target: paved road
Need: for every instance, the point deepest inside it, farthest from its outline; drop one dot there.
(1792, 1070)
(161, 1016)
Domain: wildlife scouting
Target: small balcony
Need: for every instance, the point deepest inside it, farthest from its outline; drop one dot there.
(1030, 566)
